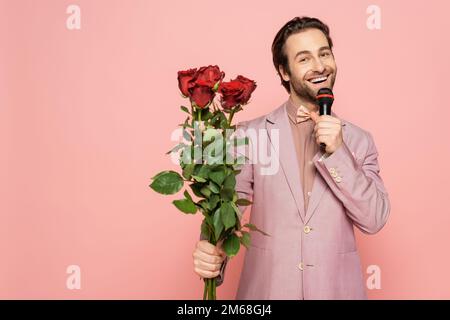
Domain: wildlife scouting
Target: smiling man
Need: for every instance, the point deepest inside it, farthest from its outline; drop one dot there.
(311, 205)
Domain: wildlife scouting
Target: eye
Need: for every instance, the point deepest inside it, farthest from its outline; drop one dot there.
(303, 59)
(325, 54)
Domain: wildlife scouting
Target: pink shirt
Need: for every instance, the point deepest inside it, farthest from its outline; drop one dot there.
(306, 147)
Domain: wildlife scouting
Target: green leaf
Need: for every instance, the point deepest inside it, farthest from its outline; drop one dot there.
(218, 224)
(203, 171)
(186, 124)
(198, 179)
(209, 220)
(205, 230)
(176, 148)
(227, 194)
(167, 182)
(187, 171)
(204, 204)
(245, 239)
(243, 202)
(185, 109)
(187, 195)
(213, 201)
(236, 209)
(215, 118)
(159, 174)
(231, 245)
(217, 176)
(216, 85)
(254, 228)
(186, 156)
(196, 187)
(186, 135)
(213, 187)
(208, 116)
(205, 191)
(224, 123)
(185, 205)
(230, 181)
(228, 215)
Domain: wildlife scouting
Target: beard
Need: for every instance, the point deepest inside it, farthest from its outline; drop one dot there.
(306, 91)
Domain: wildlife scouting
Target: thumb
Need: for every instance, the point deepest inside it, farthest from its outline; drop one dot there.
(314, 116)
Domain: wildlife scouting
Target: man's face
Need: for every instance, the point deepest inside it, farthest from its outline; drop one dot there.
(310, 61)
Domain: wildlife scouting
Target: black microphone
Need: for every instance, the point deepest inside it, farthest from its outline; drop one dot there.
(325, 100)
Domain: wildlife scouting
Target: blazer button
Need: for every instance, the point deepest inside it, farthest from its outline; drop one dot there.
(338, 179)
(332, 170)
(334, 174)
(300, 266)
(307, 229)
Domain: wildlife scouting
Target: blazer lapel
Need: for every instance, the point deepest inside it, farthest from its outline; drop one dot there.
(278, 120)
(319, 184)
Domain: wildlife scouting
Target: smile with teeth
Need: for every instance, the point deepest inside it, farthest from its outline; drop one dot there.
(318, 80)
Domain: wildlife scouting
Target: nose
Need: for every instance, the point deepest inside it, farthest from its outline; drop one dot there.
(319, 67)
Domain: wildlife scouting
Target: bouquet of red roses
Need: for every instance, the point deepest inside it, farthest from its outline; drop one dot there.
(207, 160)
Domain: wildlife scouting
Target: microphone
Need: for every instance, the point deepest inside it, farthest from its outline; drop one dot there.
(324, 99)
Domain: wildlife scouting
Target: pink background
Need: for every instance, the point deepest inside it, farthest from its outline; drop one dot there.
(86, 117)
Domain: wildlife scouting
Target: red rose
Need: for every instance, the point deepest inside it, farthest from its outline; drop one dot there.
(236, 92)
(210, 75)
(199, 84)
(185, 79)
(206, 78)
(201, 93)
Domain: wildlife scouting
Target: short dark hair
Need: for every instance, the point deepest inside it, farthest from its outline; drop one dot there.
(294, 26)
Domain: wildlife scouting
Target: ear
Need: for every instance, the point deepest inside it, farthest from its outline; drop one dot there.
(284, 75)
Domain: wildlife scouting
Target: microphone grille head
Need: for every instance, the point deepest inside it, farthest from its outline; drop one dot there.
(325, 95)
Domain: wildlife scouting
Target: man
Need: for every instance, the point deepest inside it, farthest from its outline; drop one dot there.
(310, 205)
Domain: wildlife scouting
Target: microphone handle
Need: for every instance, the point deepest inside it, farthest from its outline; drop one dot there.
(327, 111)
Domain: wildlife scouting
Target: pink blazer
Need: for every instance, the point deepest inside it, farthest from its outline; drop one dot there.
(312, 254)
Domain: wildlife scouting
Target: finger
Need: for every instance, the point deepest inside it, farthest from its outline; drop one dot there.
(324, 136)
(328, 124)
(325, 126)
(208, 258)
(208, 248)
(328, 121)
(330, 118)
(320, 140)
(207, 274)
(314, 116)
(326, 131)
(202, 265)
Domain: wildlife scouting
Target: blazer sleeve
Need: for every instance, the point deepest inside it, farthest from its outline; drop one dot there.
(357, 185)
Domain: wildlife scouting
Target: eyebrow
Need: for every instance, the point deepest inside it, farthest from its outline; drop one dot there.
(306, 51)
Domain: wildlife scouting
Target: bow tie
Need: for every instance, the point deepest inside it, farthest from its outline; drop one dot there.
(303, 114)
